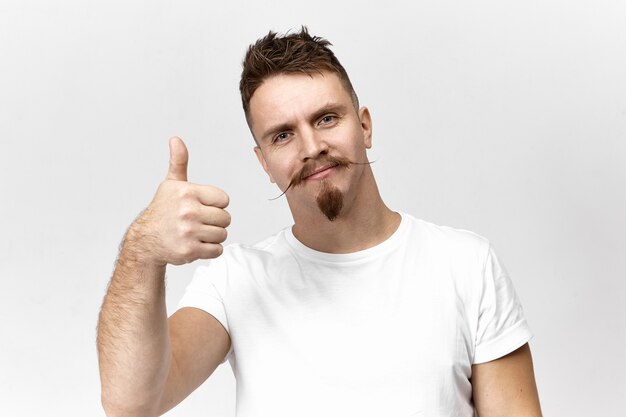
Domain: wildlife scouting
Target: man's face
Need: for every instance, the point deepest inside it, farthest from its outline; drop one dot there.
(308, 132)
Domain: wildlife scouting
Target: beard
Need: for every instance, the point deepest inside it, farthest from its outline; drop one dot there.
(330, 201)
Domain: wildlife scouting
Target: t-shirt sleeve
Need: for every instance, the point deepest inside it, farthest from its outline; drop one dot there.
(206, 292)
(502, 327)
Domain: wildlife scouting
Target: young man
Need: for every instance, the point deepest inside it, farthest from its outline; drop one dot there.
(355, 310)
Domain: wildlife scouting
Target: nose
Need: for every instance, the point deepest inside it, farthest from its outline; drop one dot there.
(312, 144)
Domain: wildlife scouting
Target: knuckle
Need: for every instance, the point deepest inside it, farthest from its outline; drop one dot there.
(222, 235)
(225, 199)
(187, 211)
(185, 191)
(227, 218)
(217, 250)
(187, 252)
(220, 197)
(185, 230)
(213, 251)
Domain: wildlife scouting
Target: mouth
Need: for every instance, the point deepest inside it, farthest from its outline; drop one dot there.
(319, 173)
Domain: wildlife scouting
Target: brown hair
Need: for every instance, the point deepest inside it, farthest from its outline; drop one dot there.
(286, 54)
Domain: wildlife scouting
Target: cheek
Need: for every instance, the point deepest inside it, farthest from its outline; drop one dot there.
(356, 146)
(353, 139)
(280, 173)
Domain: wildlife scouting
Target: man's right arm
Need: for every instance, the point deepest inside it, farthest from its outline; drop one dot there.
(148, 365)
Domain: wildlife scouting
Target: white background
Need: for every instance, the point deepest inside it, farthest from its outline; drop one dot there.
(505, 118)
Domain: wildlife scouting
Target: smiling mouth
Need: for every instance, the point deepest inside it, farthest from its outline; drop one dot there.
(319, 171)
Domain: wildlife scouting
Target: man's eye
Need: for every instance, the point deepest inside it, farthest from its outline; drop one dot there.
(327, 119)
(281, 137)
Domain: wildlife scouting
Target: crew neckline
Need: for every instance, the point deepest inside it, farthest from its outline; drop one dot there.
(383, 247)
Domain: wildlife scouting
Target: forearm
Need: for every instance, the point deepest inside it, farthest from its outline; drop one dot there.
(182, 223)
(133, 341)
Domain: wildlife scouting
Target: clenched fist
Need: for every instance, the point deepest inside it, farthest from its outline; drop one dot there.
(184, 221)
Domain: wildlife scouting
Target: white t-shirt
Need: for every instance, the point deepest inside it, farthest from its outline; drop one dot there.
(392, 330)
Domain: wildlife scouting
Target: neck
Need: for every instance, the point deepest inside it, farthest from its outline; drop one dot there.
(363, 223)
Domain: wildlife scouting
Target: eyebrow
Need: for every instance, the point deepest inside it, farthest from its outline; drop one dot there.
(327, 108)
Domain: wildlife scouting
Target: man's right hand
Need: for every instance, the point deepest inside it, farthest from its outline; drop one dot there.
(147, 365)
(184, 221)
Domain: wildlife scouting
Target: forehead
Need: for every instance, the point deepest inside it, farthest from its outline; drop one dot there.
(286, 97)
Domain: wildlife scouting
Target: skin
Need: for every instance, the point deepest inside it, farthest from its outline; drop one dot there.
(506, 386)
(297, 120)
(148, 363)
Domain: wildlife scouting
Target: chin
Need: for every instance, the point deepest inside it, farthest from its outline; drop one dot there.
(330, 201)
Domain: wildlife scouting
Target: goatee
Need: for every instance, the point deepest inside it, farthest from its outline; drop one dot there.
(330, 201)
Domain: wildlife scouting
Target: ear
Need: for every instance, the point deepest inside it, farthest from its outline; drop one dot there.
(261, 158)
(366, 126)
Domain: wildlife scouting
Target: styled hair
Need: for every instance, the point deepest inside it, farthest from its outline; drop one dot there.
(288, 54)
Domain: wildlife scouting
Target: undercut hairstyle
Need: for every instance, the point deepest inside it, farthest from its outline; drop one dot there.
(291, 53)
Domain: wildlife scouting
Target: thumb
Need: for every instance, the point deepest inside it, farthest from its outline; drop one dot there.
(178, 160)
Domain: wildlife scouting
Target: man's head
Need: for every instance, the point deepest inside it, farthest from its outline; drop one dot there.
(310, 133)
(295, 53)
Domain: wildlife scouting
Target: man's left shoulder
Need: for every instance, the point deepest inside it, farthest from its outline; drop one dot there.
(452, 238)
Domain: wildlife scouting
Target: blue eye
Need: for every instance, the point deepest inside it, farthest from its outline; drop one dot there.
(281, 137)
(327, 119)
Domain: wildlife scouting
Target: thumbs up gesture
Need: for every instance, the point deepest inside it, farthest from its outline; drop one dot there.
(184, 221)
